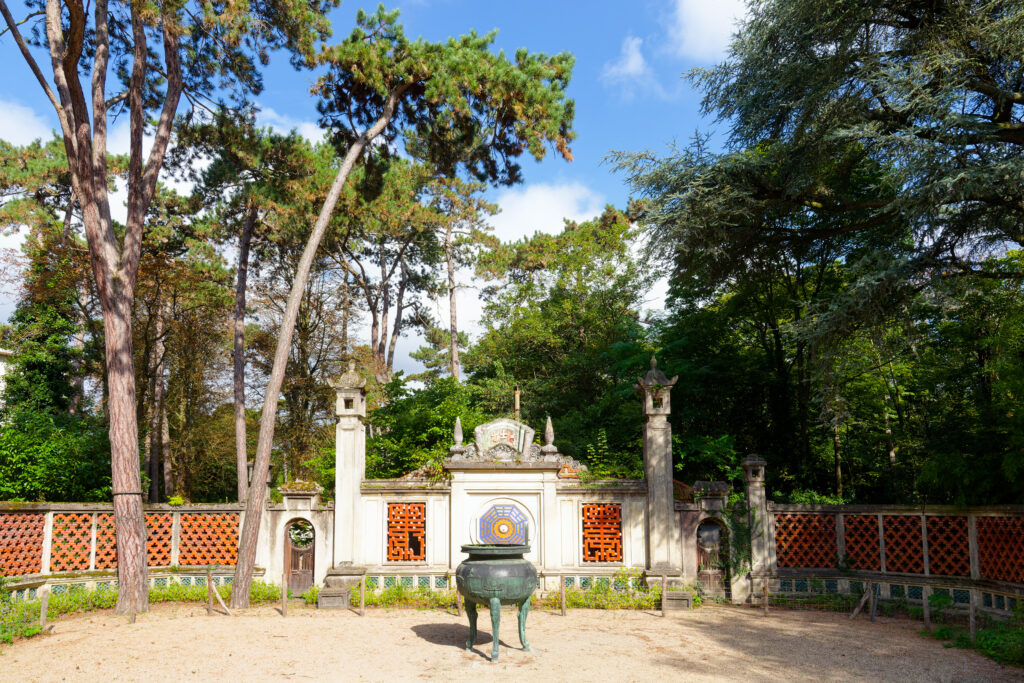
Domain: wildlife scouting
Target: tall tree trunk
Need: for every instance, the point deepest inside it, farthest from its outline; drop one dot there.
(166, 464)
(242, 581)
(346, 311)
(396, 329)
(156, 432)
(241, 444)
(837, 451)
(453, 343)
(129, 521)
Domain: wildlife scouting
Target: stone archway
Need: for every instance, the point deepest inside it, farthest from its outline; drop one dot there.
(299, 555)
(713, 557)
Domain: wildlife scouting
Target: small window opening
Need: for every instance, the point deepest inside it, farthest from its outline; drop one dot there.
(348, 404)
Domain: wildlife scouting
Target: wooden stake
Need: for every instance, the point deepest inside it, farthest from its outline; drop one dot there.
(561, 594)
(458, 602)
(44, 609)
(664, 593)
(925, 592)
(209, 593)
(284, 593)
(766, 597)
(970, 615)
(362, 596)
(216, 594)
(863, 601)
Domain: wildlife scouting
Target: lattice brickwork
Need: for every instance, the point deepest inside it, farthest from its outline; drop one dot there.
(72, 537)
(904, 551)
(602, 532)
(208, 538)
(1001, 548)
(106, 545)
(860, 532)
(159, 530)
(949, 548)
(805, 540)
(21, 543)
(407, 532)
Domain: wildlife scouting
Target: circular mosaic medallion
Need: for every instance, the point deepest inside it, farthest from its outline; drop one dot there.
(503, 524)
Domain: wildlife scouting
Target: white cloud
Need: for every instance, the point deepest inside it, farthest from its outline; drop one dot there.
(20, 125)
(702, 29)
(632, 73)
(543, 207)
(284, 124)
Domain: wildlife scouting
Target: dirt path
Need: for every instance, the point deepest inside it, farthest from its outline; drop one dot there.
(175, 642)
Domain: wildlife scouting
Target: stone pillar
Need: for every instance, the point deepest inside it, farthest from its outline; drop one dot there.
(655, 389)
(350, 467)
(761, 564)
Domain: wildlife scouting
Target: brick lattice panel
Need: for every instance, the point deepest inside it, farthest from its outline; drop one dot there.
(1001, 548)
(159, 531)
(21, 543)
(949, 548)
(904, 551)
(72, 536)
(602, 532)
(860, 532)
(805, 540)
(106, 546)
(407, 532)
(208, 538)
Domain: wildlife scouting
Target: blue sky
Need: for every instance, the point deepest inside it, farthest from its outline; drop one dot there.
(627, 84)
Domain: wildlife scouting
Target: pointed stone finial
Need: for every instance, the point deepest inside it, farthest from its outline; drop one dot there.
(549, 438)
(457, 448)
(654, 362)
(351, 378)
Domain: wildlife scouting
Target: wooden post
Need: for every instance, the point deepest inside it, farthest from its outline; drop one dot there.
(970, 614)
(44, 609)
(664, 593)
(871, 599)
(284, 593)
(209, 593)
(561, 593)
(925, 592)
(458, 602)
(766, 597)
(362, 596)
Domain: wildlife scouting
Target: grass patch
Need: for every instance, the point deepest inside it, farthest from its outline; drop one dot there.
(403, 597)
(20, 618)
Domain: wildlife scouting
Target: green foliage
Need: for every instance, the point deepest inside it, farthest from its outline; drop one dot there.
(414, 429)
(805, 497)
(401, 597)
(312, 595)
(175, 500)
(54, 456)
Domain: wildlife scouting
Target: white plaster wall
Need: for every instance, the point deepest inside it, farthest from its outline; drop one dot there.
(271, 548)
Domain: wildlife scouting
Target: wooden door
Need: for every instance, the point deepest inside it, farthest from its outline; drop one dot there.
(300, 576)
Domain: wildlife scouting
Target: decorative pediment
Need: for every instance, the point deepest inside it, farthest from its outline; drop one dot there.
(503, 434)
(508, 441)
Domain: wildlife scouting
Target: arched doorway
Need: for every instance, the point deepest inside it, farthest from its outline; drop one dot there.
(299, 555)
(713, 558)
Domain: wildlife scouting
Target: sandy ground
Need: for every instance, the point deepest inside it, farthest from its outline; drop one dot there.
(175, 642)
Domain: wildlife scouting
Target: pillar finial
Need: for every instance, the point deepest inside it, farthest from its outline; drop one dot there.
(549, 438)
(458, 431)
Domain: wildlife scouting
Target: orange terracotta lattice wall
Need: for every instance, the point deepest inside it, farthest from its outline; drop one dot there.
(805, 540)
(1001, 548)
(21, 543)
(949, 549)
(407, 532)
(860, 533)
(208, 538)
(106, 546)
(72, 537)
(602, 532)
(159, 531)
(904, 551)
